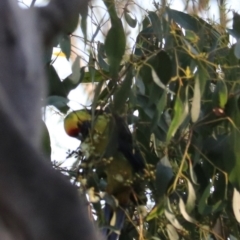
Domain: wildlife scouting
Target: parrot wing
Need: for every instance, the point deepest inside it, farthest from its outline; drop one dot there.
(107, 141)
(126, 146)
(119, 176)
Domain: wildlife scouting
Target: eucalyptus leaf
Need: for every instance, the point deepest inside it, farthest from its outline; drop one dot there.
(237, 49)
(123, 92)
(65, 45)
(191, 198)
(185, 214)
(132, 22)
(236, 24)
(180, 113)
(46, 142)
(221, 89)
(196, 102)
(75, 70)
(172, 217)
(172, 233)
(164, 175)
(235, 204)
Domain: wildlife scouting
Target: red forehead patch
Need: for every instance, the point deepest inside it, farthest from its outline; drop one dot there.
(73, 132)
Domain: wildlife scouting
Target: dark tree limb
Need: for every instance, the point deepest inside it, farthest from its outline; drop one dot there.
(52, 18)
(36, 202)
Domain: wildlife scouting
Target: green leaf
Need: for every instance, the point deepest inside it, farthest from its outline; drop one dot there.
(154, 93)
(156, 24)
(157, 80)
(75, 70)
(191, 199)
(84, 15)
(233, 33)
(145, 22)
(236, 24)
(230, 68)
(101, 55)
(71, 25)
(203, 206)
(91, 67)
(55, 85)
(144, 42)
(140, 85)
(196, 102)
(208, 36)
(235, 204)
(159, 110)
(156, 211)
(194, 51)
(184, 212)
(234, 168)
(185, 20)
(222, 91)
(46, 142)
(158, 69)
(123, 92)
(115, 44)
(164, 175)
(65, 45)
(172, 233)
(132, 22)
(203, 76)
(237, 49)
(171, 216)
(110, 4)
(180, 113)
(69, 84)
(231, 151)
(61, 88)
(99, 76)
(47, 56)
(115, 41)
(59, 102)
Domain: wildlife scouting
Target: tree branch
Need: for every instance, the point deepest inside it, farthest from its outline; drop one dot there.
(32, 3)
(36, 202)
(53, 16)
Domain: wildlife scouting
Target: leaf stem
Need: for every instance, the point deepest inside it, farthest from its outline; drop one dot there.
(182, 161)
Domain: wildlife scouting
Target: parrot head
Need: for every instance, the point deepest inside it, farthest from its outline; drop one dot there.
(77, 124)
(93, 133)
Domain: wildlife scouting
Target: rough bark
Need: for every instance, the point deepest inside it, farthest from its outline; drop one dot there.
(35, 201)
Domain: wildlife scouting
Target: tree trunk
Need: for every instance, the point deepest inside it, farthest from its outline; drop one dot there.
(36, 202)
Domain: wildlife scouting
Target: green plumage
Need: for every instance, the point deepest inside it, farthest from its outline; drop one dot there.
(107, 144)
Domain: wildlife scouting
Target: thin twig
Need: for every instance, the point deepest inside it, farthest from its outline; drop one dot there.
(32, 3)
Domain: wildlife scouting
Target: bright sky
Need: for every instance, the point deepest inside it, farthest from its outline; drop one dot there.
(59, 140)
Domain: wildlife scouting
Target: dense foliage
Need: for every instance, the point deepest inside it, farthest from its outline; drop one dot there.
(178, 88)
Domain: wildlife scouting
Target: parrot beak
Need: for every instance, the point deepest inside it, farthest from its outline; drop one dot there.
(80, 136)
(84, 127)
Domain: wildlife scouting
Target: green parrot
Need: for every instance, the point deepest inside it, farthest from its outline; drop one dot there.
(103, 135)
(107, 141)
